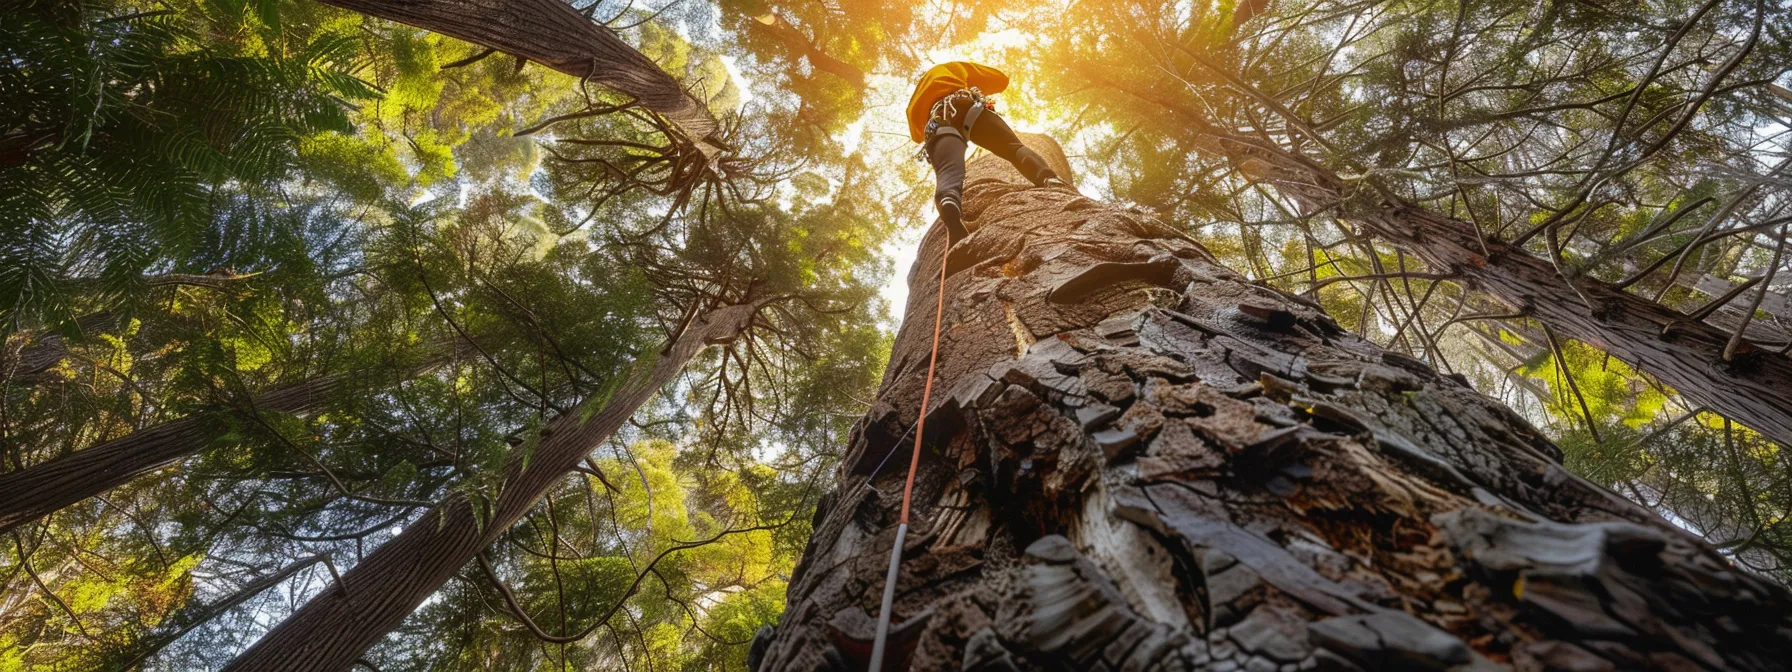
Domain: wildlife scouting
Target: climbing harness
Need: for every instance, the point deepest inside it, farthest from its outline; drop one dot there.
(973, 104)
(946, 109)
(914, 462)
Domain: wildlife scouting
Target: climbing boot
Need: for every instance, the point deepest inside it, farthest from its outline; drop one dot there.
(954, 221)
(1055, 183)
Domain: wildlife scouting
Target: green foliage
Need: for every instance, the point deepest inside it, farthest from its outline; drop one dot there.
(1613, 391)
(123, 126)
(472, 247)
(814, 103)
(694, 604)
(1624, 132)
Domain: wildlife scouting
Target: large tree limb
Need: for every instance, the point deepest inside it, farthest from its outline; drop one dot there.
(554, 34)
(1686, 354)
(332, 631)
(42, 489)
(800, 45)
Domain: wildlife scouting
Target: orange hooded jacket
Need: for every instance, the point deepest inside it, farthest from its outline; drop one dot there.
(944, 79)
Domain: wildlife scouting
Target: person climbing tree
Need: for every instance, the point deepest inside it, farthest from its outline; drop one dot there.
(1136, 458)
(951, 105)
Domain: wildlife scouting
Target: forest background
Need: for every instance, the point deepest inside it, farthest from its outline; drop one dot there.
(280, 278)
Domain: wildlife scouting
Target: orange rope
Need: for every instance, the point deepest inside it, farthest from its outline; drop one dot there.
(939, 310)
(908, 487)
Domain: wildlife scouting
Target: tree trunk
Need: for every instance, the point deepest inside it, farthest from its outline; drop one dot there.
(194, 615)
(800, 45)
(42, 489)
(1140, 460)
(46, 350)
(552, 33)
(1754, 388)
(1773, 303)
(336, 627)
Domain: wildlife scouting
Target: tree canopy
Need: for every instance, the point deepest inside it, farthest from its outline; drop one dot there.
(338, 273)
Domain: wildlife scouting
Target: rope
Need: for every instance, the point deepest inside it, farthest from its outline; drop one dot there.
(908, 487)
(914, 462)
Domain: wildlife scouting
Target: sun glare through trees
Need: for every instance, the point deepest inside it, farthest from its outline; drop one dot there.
(595, 335)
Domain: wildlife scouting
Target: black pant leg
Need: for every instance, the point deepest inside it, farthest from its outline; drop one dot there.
(946, 152)
(992, 133)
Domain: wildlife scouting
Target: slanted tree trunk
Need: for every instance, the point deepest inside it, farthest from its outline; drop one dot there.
(1136, 459)
(45, 350)
(337, 626)
(192, 616)
(1753, 388)
(801, 46)
(552, 33)
(42, 489)
(1773, 303)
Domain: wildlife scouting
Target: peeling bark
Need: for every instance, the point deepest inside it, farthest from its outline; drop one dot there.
(1185, 470)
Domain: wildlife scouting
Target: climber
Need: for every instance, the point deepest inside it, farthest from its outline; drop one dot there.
(948, 108)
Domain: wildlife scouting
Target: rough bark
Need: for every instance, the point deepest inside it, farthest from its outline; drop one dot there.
(552, 33)
(336, 627)
(801, 46)
(45, 488)
(1773, 303)
(1142, 461)
(1753, 388)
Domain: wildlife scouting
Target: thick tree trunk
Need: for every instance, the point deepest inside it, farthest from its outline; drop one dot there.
(1754, 388)
(801, 46)
(552, 33)
(1139, 460)
(42, 489)
(336, 627)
